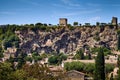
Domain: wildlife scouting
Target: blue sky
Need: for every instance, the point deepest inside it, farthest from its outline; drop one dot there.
(49, 11)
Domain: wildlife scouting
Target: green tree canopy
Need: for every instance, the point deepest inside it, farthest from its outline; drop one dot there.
(5, 70)
(75, 23)
(79, 54)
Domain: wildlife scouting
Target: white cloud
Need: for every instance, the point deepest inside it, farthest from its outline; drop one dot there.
(94, 19)
(7, 13)
(93, 4)
(70, 3)
(116, 5)
(58, 5)
(67, 7)
(82, 12)
(30, 2)
(75, 5)
(76, 13)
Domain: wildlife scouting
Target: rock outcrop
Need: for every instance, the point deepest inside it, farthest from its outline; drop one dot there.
(66, 40)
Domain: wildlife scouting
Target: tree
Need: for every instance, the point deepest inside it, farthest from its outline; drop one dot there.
(79, 54)
(109, 68)
(45, 24)
(89, 67)
(75, 23)
(5, 70)
(53, 60)
(105, 50)
(44, 55)
(1, 55)
(57, 58)
(11, 40)
(80, 24)
(11, 59)
(1, 52)
(29, 58)
(118, 43)
(50, 24)
(118, 63)
(38, 24)
(19, 75)
(69, 25)
(74, 66)
(100, 66)
(87, 24)
(36, 56)
(89, 56)
(21, 60)
(38, 72)
(61, 57)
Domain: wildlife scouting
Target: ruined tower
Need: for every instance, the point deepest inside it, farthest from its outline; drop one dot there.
(63, 21)
(114, 21)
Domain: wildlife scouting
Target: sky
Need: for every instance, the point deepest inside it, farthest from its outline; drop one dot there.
(49, 11)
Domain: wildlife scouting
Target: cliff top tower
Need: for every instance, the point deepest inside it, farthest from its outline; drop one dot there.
(114, 21)
(63, 21)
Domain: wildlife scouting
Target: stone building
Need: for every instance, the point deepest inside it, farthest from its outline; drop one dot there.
(114, 21)
(63, 21)
(74, 75)
(56, 70)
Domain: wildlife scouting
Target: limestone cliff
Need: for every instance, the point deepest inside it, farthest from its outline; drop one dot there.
(66, 40)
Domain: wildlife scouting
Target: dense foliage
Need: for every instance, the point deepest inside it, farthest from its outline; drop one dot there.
(57, 59)
(11, 41)
(88, 68)
(27, 72)
(105, 50)
(5, 71)
(79, 54)
(74, 66)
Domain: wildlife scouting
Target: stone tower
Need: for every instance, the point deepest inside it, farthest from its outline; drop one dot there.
(63, 21)
(114, 21)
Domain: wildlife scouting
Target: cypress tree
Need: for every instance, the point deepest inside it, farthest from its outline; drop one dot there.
(118, 64)
(100, 66)
(118, 44)
(118, 61)
(81, 54)
(118, 78)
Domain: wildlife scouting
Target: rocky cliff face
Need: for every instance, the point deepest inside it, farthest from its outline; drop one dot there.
(66, 40)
